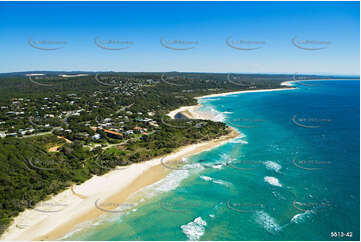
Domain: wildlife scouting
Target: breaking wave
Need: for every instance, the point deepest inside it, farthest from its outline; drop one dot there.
(273, 166)
(302, 217)
(221, 182)
(267, 222)
(195, 229)
(272, 181)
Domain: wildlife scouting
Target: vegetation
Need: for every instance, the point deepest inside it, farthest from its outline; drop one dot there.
(41, 115)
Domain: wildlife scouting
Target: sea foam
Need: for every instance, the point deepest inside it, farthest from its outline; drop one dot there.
(195, 229)
(206, 178)
(301, 217)
(271, 165)
(221, 182)
(268, 223)
(238, 140)
(272, 181)
(218, 166)
(172, 180)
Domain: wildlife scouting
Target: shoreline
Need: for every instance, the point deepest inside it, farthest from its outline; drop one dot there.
(188, 111)
(80, 200)
(290, 83)
(245, 91)
(191, 112)
(79, 203)
(149, 172)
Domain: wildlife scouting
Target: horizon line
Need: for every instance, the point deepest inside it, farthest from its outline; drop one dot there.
(200, 72)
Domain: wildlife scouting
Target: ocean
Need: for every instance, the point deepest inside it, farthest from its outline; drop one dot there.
(292, 174)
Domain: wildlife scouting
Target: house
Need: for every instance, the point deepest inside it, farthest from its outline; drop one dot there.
(106, 124)
(137, 129)
(81, 135)
(2, 134)
(113, 134)
(30, 130)
(154, 123)
(96, 136)
(128, 132)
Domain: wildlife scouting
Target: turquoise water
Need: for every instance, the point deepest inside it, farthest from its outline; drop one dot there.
(292, 174)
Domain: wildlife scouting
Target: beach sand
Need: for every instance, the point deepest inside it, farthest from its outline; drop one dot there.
(56, 217)
(192, 112)
(245, 91)
(291, 83)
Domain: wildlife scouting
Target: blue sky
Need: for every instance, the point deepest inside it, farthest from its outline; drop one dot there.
(205, 26)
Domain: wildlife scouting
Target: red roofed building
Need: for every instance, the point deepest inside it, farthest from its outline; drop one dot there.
(113, 134)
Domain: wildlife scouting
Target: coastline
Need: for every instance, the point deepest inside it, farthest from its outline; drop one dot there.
(191, 112)
(80, 200)
(290, 83)
(138, 175)
(78, 203)
(188, 111)
(246, 91)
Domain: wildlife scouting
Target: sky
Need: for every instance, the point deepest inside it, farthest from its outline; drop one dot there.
(237, 37)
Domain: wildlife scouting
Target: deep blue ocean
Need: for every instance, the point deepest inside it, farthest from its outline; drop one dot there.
(292, 174)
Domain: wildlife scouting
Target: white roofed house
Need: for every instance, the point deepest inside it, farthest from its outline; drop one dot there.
(154, 123)
(128, 132)
(2, 134)
(31, 130)
(96, 136)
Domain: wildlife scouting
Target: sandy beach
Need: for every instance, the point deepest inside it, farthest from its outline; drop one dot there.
(56, 217)
(290, 83)
(188, 111)
(245, 91)
(191, 112)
